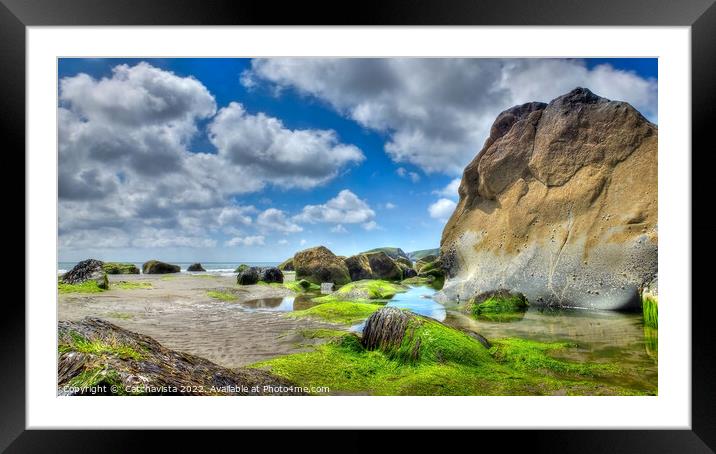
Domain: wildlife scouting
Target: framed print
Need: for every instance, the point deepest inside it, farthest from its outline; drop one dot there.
(234, 222)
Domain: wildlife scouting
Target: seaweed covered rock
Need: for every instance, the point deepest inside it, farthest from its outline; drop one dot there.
(560, 204)
(120, 268)
(157, 267)
(248, 276)
(87, 270)
(286, 265)
(383, 267)
(99, 358)
(367, 289)
(241, 268)
(498, 306)
(271, 275)
(410, 338)
(195, 267)
(319, 265)
(358, 267)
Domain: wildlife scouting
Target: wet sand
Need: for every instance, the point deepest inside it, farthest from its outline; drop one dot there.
(178, 313)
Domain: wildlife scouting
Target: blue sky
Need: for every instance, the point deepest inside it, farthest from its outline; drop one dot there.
(247, 160)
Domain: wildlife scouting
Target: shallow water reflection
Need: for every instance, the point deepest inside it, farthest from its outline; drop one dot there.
(419, 301)
(285, 304)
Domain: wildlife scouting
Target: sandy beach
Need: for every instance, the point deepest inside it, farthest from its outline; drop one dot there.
(177, 312)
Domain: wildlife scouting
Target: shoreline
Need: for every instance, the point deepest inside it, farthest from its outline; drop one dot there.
(178, 313)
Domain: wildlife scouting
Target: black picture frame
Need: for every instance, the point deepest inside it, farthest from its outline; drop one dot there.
(700, 15)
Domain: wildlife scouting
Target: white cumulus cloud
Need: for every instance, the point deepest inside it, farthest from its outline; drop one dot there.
(450, 190)
(292, 158)
(344, 208)
(255, 240)
(437, 112)
(274, 219)
(442, 209)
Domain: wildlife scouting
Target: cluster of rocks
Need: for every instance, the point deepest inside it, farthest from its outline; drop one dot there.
(249, 275)
(320, 265)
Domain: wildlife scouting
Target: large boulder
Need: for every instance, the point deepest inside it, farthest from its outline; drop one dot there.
(157, 267)
(248, 276)
(383, 267)
(127, 363)
(87, 270)
(560, 205)
(319, 265)
(195, 267)
(358, 267)
(271, 275)
(120, 268)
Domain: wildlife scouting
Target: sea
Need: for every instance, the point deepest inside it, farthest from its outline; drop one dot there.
(220, 268)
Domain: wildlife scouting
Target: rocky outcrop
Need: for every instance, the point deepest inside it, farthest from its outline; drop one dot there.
(271, 275)
(319, 265)
(87, 270)
(559, 205)
(157, 267)
(383, 267)
(358, 267)
(120, 268)
(417, 255)
(394, 253)
(409, 272)
(248, 276)
(286, 265)
(195, 267)
(99, 358)
(424, 261)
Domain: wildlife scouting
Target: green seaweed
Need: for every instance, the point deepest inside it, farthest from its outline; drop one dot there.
(363, 291)
(132, 285)
(120, 315)
(650, 308)
(120, 268)
(534, 356)
(500, 307)
(89, 286)
(302, 286)
(79, 343)
(219, 295)
(448, 363)
(345, 312)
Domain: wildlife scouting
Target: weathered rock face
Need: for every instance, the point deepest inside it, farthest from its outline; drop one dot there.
(86, 270)
(248, 276)
(157, 267)
(383, 267)
(560, 205)
(195, 267)
(270, 275)
(319, 265)
(123, 362)
(358, 267)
